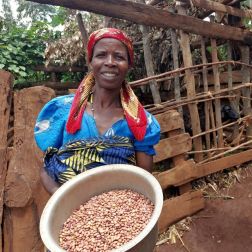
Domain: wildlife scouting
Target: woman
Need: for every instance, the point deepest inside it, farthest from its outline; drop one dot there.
(104, 123)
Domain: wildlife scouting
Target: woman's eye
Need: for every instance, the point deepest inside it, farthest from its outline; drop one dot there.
(99, 55)
(120, 57)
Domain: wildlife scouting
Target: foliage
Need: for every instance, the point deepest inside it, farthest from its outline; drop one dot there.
(22, 43)
(21, 49)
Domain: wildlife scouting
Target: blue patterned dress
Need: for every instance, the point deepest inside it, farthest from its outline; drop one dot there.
(70, 154)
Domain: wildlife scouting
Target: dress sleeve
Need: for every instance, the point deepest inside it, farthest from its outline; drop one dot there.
(151, 138)
(50, 123)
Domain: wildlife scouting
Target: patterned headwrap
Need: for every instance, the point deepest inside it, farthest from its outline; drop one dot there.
(109, 33)
(133, 110)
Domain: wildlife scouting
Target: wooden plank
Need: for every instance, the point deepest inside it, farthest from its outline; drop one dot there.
(223, 163)
(173, 146)
(170, 120)
(179, 175)
(189, 171)
(149, 15)
(177, 208)
(179, 160)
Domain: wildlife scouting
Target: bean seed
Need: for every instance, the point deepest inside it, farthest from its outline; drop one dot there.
(106, 221)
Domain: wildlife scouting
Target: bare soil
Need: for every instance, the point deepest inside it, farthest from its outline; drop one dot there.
(224, 225)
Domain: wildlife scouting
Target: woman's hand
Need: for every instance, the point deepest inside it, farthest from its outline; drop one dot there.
(144, 161)
(49, 184)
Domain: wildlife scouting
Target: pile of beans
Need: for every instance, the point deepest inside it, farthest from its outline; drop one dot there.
(106, 221)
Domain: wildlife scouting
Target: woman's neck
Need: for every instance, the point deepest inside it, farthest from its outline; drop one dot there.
(103, 98)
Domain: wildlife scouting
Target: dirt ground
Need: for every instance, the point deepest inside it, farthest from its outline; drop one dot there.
(224, 225)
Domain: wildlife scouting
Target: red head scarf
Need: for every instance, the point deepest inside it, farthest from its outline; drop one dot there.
(110, 33)
(133, 110)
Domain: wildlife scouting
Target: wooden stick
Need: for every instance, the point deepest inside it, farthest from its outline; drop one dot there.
(224, 126)
(198, 101)
(84, 34)
(195, 99)
(214, 149)
(139, 82)
(205, 83)
(212, 120)
(217, 88)
(225, 152)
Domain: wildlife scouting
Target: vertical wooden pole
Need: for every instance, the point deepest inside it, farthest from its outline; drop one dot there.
(175, 52)
(149, 62)
(6, 83)
(207, 103)
(234, 102)
(84, 35)
(217, 88)
(190, 83)
(246, 93)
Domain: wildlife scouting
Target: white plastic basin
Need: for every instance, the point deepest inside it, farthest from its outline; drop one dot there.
(94, 182)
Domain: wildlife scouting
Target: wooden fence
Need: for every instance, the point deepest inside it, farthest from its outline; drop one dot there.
(23, 196)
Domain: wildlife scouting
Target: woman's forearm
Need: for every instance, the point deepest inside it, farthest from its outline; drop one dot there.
(144, 161)
(49, 184)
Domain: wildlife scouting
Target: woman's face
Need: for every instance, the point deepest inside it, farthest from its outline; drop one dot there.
(109, 63)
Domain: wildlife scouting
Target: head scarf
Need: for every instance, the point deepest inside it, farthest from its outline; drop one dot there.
(133, 110)
(110, 33)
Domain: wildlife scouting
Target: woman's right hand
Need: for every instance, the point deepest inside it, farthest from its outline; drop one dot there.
(49, 184)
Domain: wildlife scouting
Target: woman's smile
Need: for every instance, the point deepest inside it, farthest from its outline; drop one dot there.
(110, 63)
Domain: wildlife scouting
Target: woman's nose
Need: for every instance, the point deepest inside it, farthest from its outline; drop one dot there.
(110, 60)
